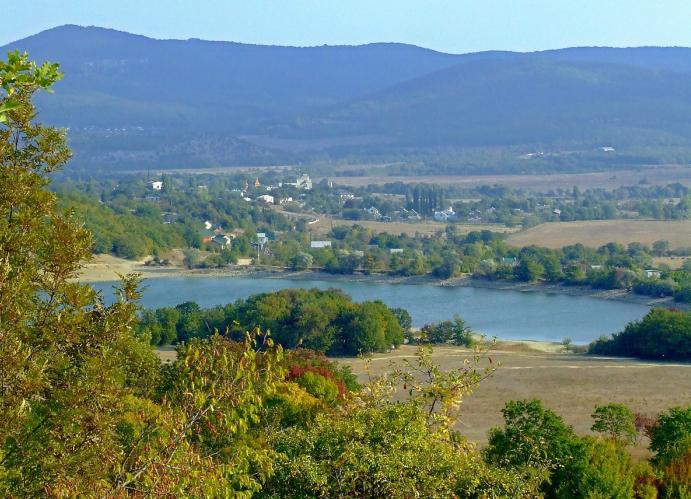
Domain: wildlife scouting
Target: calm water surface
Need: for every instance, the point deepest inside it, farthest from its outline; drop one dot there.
(500, 313)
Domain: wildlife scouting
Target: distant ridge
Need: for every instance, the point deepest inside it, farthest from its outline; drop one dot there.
(133, 101)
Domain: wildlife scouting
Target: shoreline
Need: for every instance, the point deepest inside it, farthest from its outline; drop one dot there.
(105, 271)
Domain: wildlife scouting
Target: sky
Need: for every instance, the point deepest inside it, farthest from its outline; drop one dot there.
(455, 26)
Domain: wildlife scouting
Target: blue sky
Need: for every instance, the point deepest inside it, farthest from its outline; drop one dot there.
(451, 25)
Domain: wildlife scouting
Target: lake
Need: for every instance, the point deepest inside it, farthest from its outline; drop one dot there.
(501, 313)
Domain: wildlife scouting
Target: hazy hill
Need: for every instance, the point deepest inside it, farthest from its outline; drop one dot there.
(522, 101)
(132, 101)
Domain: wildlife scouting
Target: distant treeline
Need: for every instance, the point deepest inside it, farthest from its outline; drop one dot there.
(324, 321)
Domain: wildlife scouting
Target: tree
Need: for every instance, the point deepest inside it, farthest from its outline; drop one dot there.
(448, 268)
(404, 320)
(536, 438)
(192, 257)
(462, 334)
(529, 270)
(302, 261)
(661, 247)
(69, 366)
(670, 437)
(616, 421)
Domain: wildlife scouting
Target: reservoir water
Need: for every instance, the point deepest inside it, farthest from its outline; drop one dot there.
(501, 313)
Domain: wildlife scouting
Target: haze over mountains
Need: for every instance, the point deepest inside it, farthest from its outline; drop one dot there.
(134, 102)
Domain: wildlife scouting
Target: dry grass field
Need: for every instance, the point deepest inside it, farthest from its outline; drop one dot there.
(410, 228)
(595, 233)
(572, 385)
(659, 175)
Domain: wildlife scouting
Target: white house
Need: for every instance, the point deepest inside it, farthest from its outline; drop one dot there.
(652, 274)
(262, 239)
(156, 185)
(373, 212)
(265, 198)
(446, 215)
(320, 244)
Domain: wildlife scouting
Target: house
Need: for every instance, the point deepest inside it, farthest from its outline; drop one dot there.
(652, 273)
(265, 198)
(320, 244)
(396, 251)
(373, 212)
(262, 239)
(156, 185)
(221, 241)
(447, 215)
(556, 211)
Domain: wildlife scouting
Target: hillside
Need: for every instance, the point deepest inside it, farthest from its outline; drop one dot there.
(135, 102)
(526, 101)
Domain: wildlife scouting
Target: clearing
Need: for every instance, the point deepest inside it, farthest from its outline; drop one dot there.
(595, 233)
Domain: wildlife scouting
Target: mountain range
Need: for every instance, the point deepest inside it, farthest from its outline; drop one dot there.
(133, 102)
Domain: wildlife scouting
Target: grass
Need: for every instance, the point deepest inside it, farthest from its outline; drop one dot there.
(595, 233)
(572, 385)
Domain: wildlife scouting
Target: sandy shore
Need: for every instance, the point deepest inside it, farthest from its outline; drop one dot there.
(106, 268)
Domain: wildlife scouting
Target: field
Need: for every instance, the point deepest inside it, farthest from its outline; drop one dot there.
(572, 385)
(595, 233)
(324, 225)
(660, 175)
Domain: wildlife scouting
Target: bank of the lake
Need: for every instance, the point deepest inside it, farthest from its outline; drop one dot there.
(504, 313)
(106, 268)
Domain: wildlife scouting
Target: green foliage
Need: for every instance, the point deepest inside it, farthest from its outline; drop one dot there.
(318, 386)
(670, 437)
(325, 321)
(381, 452)
(661, 334)
(606, 470)
(380, 448)
(302, 261)
(616, 421)
(456, 332)
(536, 438)
(123, 234)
